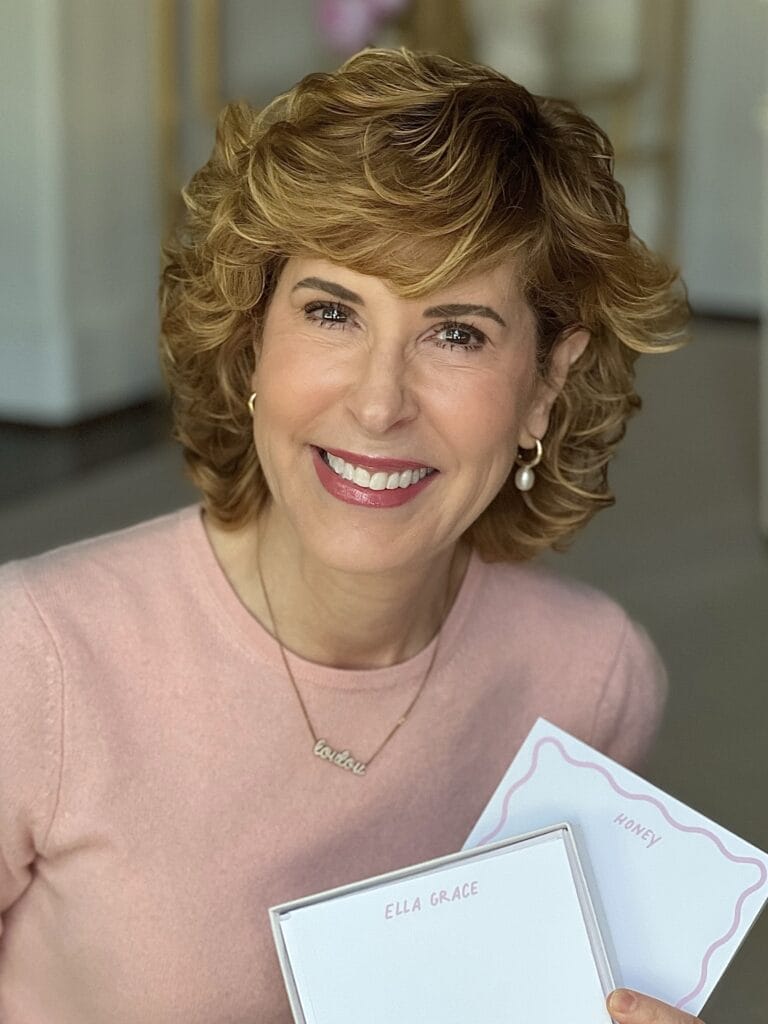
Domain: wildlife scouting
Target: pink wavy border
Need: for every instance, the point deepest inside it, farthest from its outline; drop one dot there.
(675, 824)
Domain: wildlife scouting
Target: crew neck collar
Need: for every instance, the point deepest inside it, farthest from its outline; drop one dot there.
(237, 624)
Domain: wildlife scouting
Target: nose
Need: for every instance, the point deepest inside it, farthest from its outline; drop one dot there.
(382, 393)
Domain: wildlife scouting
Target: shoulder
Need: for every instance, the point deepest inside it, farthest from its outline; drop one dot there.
(554, 606)
(127, 553)
(95, 579)
(583, 649)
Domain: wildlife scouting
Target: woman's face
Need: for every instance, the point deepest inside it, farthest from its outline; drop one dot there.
(421, 402)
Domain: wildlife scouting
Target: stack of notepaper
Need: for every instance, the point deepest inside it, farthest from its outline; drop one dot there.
(519, 927)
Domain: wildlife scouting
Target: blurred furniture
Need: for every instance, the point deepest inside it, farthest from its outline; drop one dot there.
(622, 62)
(442, 26)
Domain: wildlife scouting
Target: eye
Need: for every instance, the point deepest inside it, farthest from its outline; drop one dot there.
(460, 336)
(332, 315)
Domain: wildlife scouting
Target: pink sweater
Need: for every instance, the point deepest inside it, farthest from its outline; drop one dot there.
(157, 786)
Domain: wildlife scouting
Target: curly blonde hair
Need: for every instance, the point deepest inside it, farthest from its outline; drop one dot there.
(415, 168)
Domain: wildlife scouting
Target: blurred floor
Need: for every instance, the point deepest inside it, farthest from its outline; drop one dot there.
(33, 459)
(681, 550)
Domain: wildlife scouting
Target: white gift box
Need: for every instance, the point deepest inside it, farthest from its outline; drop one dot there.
(499, 934)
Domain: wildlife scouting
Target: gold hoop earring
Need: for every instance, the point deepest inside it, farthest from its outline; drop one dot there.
(525, 478)
(251, 402)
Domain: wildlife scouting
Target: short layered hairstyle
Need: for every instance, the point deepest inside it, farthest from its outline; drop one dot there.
(418, 169)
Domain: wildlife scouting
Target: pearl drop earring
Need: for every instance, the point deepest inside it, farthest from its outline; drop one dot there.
(525, 478)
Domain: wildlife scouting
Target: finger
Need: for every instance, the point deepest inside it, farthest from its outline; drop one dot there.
(629, 1007)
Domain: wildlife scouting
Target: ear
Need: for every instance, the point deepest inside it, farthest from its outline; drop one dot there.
(566, 351)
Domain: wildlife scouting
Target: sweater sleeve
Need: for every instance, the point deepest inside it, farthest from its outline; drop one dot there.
(30, 733)
(630, 710)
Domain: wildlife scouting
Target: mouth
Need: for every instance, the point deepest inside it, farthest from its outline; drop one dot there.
(374, 473)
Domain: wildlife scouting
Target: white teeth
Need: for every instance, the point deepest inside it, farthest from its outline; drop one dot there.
(375, 481)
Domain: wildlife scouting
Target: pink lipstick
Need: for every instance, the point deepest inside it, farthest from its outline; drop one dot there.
(354, 494)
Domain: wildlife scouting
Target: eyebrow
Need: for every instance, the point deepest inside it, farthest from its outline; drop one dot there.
(331, 287)
(449, 309)
(464, 309)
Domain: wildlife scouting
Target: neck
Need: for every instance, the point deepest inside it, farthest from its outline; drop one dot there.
(340, 619)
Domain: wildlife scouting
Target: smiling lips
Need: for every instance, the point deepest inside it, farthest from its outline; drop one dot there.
(368, 480)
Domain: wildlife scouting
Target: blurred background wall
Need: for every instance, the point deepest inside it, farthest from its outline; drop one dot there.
(109, 107)
(78, 266)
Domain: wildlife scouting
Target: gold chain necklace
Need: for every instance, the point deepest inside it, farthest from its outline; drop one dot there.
(343, 758)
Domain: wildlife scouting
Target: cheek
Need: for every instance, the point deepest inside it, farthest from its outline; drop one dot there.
(290, 383)
(487, 422)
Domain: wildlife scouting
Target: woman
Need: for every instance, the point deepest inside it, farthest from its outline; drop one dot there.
(399, 325)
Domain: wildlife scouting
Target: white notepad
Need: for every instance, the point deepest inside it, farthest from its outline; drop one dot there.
(676, 893)
(503, 934)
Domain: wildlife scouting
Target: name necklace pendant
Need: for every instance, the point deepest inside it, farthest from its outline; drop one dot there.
(342, 757)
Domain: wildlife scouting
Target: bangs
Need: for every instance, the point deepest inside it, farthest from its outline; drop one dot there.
(412, 265)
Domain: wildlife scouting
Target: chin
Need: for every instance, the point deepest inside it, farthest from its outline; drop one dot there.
(367, 553)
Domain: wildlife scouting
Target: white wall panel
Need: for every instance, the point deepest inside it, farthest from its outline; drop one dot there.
(79, 215)
(721, 192)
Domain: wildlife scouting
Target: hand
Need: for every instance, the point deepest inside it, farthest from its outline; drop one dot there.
(628, 1007)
